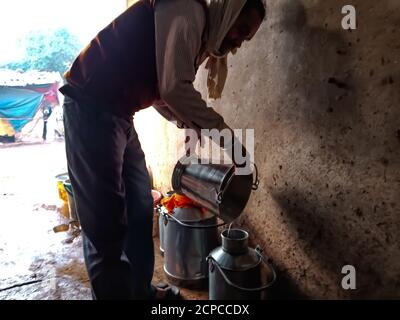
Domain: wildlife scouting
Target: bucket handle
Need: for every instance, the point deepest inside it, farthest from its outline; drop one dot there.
(170, 216)
(228, 281)
(254, 186)
(256, 179)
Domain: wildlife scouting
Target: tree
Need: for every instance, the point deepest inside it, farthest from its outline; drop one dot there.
(50, 50)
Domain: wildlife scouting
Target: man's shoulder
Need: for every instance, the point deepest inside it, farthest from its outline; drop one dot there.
(192, 11)
(198, 9)
(187, 7)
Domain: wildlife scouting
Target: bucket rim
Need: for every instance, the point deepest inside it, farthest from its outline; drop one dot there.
(194, 223)
(245, 234)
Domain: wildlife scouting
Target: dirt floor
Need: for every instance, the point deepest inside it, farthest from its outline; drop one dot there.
(35, 262)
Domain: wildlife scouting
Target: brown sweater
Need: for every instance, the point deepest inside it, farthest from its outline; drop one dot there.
(147, 56)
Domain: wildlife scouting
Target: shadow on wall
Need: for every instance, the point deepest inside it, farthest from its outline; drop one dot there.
(324, 237)
(319, 79)
(332, 102)
(327, 99)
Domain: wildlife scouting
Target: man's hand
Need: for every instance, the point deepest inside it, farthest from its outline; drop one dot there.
(238, 154)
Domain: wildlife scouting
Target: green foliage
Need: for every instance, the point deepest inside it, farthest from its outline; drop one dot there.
(50, 50)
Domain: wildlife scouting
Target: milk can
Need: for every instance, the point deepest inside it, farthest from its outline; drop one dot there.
(161, 226)
(161, 223)
(190, 235)
(214, 186)
(236, 272)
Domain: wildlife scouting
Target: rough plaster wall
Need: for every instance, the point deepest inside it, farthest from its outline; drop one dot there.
(324, 104)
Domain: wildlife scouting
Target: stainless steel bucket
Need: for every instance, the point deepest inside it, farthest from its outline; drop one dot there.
(235, 270)
(161, 226)
(215, 187)
(161, 223)
(190, 236)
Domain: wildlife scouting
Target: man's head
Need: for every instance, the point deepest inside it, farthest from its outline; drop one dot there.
(245, 26)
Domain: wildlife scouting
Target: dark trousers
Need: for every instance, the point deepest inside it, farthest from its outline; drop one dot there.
(113, 199)
(44, 135)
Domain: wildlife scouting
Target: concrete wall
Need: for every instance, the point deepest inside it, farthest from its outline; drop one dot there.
(324, 103)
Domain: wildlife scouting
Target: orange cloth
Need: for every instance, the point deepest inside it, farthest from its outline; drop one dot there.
(178, 201)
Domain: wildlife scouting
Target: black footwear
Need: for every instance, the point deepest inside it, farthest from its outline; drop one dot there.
(164, 291)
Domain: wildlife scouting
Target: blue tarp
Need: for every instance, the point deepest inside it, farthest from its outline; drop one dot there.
(19, 106)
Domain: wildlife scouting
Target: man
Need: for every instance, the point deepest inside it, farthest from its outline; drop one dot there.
(147, 56)
(46, 110)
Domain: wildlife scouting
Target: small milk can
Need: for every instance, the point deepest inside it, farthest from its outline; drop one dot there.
(236, 271)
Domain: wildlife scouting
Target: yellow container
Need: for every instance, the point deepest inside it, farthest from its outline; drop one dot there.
(62, 193)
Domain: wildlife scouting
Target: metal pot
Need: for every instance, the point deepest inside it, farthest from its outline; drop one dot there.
(190, 236)
(161, 226)
(215, 187)
(161, 223)
(235, 270)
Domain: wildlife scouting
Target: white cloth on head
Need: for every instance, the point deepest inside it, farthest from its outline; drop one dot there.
(222, 16)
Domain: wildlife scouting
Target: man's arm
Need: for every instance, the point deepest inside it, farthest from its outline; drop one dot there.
(179, 27)
(166, 113)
